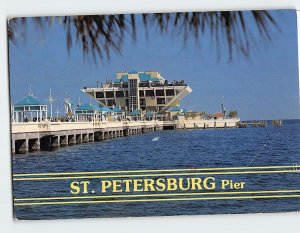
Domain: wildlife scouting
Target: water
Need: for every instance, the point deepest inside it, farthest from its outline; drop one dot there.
(213, 148)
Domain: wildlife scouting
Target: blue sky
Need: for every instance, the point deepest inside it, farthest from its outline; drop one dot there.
(265, 86)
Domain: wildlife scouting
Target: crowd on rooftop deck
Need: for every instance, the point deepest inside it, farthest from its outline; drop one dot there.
(110, 84)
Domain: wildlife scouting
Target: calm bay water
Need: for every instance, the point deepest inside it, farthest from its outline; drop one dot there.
(213, 148)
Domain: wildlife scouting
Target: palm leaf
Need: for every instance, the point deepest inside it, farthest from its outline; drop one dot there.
(100, 35)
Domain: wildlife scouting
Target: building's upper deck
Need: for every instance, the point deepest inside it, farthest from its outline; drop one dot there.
(146, 79)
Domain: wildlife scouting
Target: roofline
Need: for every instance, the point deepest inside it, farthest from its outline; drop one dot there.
(30, 105)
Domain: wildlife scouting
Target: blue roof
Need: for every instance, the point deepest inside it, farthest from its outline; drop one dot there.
(149, 113)
(117, 110)
(147, 77)
(123, 79)
(106, 109)
(87, 107)
(29, 100)
(174, 109)
(142, 76)
(132, 72)
(136, 112)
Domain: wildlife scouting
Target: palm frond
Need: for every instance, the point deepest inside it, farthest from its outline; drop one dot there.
(100, 35)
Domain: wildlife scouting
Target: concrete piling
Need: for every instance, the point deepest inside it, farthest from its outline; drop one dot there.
(55, 141)
(34, 144)
(91, 137)
(34, 141)
(78, 138)
(63, 140)
(21, 146)
(45, 142)
(84, 137)
(71, 139)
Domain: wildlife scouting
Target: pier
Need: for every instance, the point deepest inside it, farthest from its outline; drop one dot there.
(277, 123)
(245, 124)
(46, 135)
(35, 136)
(207, 124)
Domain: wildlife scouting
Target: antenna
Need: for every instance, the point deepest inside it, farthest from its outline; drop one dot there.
(50, 99)
(57, 112)
(223, 107)
(30, 91)
(68, 106)
(79, 101)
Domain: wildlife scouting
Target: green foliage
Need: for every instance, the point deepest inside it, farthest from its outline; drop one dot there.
(99, 35)
(232, 114)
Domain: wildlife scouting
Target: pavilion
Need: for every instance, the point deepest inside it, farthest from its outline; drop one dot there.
(88, 112)
(118, 112)
(29, 109)
(173, 112)
(136, 114)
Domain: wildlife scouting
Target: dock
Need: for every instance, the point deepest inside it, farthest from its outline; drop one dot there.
(208, 124)
(46, 135)
(35, 136)
(277, 123)
(246, 124)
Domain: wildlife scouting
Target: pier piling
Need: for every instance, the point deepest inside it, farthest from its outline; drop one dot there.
(63, 140)
(28, 137)
(71, 139)
(78, 138)
(84, 137)
(91, 137)
(55, 141)
(34, 144)
(21, 146)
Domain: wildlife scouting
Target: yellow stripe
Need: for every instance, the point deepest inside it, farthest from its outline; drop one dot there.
(156, 195)
(157, 200)
(163, 170)
(148, 175)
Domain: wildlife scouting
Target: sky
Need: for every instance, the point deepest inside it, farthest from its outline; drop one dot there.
(263, 86)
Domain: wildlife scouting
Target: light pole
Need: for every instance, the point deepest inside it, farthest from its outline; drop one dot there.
(51, 99)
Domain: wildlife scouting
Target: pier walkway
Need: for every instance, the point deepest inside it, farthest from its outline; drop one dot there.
(245, 124)
(34, 136)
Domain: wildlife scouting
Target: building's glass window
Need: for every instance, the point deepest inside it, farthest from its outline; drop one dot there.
(111, 103)
(99, 94)
(161, 101)
(160, 93)
(133, 94)
(144, 84)
(119, 94)
(141, 93)
(109, 94)
(170, 92)
(149, 92)
(142, 101)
